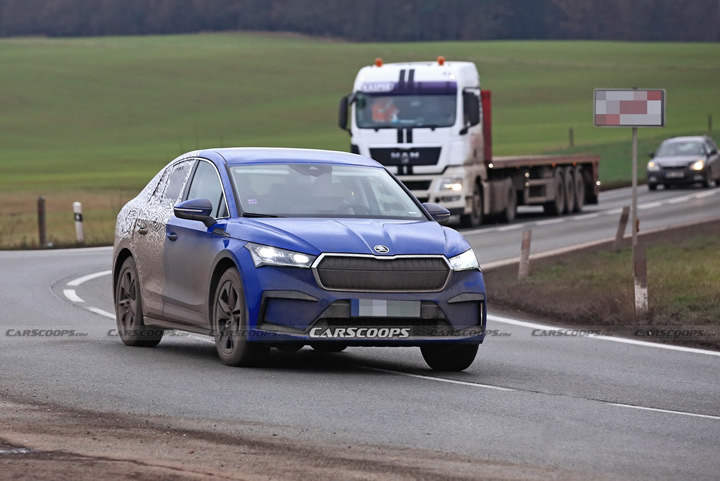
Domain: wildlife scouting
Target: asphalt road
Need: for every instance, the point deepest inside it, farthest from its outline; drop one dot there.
(593, 405)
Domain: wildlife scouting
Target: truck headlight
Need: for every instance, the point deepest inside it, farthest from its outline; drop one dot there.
(698, 165)
(272, 256)
(652, 166)
(451, 183)
(465, 261)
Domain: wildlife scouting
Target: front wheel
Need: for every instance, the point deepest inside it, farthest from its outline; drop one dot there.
(129, 310)
(652, 186)
(454, 357)
(230, 326)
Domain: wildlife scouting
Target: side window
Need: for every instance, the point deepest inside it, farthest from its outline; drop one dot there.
(206, 185)
(176, 182)
(160, 187)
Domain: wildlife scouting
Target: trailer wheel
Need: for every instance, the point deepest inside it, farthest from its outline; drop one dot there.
(475, 217)
(569, 179)
(557, 205)
(508, 214)
(579, 189)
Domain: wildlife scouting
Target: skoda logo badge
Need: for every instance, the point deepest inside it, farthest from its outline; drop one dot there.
(381, 249)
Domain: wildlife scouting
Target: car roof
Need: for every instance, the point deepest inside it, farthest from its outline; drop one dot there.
(254, 155)
(693, 138)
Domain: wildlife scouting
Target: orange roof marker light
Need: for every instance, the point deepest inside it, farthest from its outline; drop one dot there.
(378, 62)
(441, 60)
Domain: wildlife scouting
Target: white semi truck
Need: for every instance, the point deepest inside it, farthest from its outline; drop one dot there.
(430, 124)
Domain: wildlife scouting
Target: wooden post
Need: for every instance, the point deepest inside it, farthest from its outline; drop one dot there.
(571, 134)
(524, 269)
(42, 226)
(640, 274)
(622, 225)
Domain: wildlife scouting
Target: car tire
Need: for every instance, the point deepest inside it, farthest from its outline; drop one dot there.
(569, 190)
(557, 205)
(328, 347)
(707, 182)
(475, 218)
(230, 324)
(454, 357)
(129, 310)
(652, 186)
(508, 214)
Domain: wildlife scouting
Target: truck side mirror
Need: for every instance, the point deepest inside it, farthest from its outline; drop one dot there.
(471, 107)
(343, 113)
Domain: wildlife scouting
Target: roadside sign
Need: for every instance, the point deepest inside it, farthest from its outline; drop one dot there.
(629, 108)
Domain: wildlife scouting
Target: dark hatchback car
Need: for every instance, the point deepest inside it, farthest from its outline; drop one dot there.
(282, 248)
(684, 161)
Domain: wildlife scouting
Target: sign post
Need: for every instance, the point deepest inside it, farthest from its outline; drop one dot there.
(631, 108)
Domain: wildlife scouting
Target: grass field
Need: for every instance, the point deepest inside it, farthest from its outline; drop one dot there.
(596, 286)
(92, 119)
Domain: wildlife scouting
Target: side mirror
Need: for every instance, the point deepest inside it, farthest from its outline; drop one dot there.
(651, 155)
(439, 213)
(196, 209)
(343, 113)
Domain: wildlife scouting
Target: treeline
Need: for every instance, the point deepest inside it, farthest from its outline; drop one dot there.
(373, 20)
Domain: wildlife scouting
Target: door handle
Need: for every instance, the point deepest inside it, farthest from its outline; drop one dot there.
(142, 229)
(172, 236)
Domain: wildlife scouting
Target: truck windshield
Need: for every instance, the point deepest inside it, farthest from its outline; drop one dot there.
(378, 111)
(321, 190)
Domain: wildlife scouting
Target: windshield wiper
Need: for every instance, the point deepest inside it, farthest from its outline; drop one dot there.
(257, 214)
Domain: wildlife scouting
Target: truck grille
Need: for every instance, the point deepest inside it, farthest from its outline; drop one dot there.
(417, 184)
(373, 274)
(416, 156)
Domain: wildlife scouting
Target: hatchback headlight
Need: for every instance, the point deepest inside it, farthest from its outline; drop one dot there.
(465, 261)
(698, 165)
(652, 166)
(272, 256)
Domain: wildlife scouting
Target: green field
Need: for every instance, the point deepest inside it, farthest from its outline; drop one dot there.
(92, 119)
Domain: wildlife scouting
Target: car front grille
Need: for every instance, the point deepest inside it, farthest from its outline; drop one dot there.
(378, 274)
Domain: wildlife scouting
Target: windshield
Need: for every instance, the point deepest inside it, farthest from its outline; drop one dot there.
(377, 111)
(321, 190)
(676, 149)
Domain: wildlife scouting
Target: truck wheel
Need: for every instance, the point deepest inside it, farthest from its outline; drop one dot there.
(569, 179)
(475, 218)
(579, 189)
(556, 206)
(453, 357)
(508, 215)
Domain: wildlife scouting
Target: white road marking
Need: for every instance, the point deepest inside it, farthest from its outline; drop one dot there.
(89, 277)
(585, 217)
(72, 295)
(622, 340)
(705, 194)
(613, 211)
(678, 200)
(439, 379)
(650, 205)
(100, 312)
(683, 413)
(549, 221)
(510, 227)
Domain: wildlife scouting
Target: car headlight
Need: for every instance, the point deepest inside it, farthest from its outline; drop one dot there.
(272, 256)
(698, 165)
(465, 261)
(652, 166)
(451, 183)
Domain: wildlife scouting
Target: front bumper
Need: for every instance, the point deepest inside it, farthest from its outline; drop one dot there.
(287, 305)
(676, 176)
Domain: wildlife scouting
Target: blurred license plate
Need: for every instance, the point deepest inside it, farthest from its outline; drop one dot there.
(675, 175)
(384, 308)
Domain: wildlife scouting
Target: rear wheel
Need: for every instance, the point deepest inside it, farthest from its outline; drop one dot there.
(475, 217)
(330, 347)
(569, 179)
(556, 206)
(129, 311)
(508, 215)
(230, 325)
(579, 189)
(453, 357)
